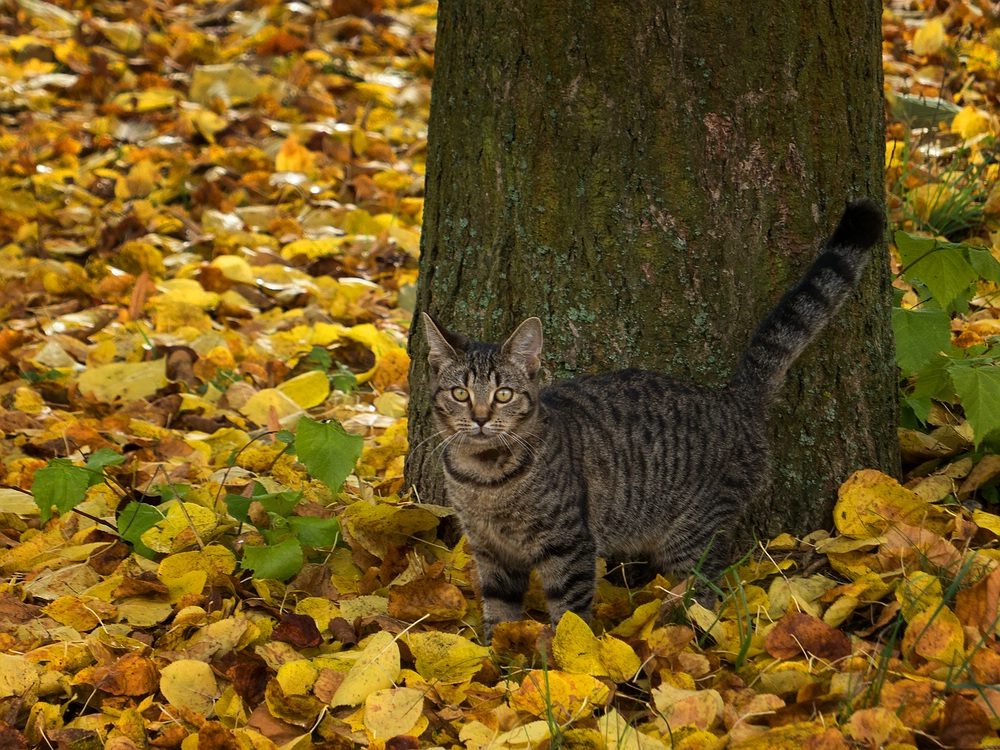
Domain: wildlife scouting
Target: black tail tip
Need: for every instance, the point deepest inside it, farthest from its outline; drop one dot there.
(860, 226)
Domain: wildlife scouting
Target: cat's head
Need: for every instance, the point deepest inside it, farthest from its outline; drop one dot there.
(484, 391)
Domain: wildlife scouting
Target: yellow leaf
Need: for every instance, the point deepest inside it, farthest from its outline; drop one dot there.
(618, 658)
(208, 123)
(190, 684)
(869, 502)
(876, 727)
(234, 268)
(391, 404)
(294, 157)
(186, 292)
(677, 707)
(444, 657)
(232, 84)
(927, 198)
(935, 634)
(640, 624)
(929, 38)
(297, 677)
(80, 613)
(377, 668)
(526, 736)
(619, 734)
(18, 678)
(126, 36)
(918, 591)
(149, 100)
(970, 122)
(390, 713)
(318, 248)
(182, 527)
(567, 696)
(261, 406)
(216, 561)
(576, 648)
(308, 389)
(987, 521)
(124, 381)
(140, 181)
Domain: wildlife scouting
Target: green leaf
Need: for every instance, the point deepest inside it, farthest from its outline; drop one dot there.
(281, 503)
(940, 266)
(134, 521)
(979, 390)
(985, 264)
(101, 458)
(934, 380)
(914, 411)
(920, 334)
(279, 561)
(315, 532)
(238, 507)
(61, 484)
(328, 452)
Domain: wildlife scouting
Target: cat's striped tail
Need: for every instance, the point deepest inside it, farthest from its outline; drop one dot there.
(805, 308)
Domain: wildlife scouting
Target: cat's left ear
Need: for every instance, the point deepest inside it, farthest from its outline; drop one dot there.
(525, 345)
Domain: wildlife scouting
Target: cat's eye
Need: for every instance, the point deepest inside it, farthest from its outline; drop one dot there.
(503, 395)
(460, 394)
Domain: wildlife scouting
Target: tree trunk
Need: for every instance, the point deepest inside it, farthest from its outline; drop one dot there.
(648, 177)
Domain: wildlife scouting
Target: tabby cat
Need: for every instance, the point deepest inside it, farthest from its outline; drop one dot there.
(627, 465)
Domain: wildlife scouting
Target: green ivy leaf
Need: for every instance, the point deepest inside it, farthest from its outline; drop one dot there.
(940, 266)
(315, 532)
(328, 451)
(920, 334)
(61, 484)
(134, 521)
(979, 390)
(278, 561)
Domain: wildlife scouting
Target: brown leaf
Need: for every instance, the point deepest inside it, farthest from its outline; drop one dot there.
(978, 605)
(299, 630)
(799, 634)
(214, 736)
(131, 675)
(436, 599)
(875, 727)
(831, 739)
(910, 700)
(964, 723)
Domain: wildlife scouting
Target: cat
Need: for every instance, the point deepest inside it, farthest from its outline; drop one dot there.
(626, 465)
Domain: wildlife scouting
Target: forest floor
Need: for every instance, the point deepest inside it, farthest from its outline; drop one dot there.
(209, 224)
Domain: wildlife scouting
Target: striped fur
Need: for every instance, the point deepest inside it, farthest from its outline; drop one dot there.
(630, 465)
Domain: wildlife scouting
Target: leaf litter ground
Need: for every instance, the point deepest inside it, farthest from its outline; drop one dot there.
(210, 223)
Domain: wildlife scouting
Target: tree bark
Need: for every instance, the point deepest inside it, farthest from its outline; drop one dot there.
(648, 177)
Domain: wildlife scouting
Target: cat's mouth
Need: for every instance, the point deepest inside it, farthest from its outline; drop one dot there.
(482, 433)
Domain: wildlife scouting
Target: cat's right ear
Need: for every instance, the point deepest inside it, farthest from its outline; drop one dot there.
(441, 344)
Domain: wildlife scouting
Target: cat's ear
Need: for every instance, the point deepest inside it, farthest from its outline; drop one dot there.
(443, 346)
(524, 346)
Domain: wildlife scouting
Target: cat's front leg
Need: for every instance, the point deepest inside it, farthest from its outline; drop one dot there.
(503, 589)
(569, 576)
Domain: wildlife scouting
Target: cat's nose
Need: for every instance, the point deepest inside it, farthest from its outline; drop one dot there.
(480, 419)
